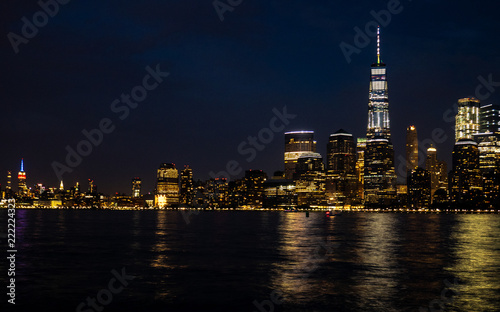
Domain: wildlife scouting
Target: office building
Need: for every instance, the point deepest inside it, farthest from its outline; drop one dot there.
(310, 180)
(465, 177)
(379, 175)
(187, 186)
(167, 186)
(489, 118)
(136, 187)
(419, 188)
(297, 143)
(341, 182)
(411, 148)
(467, 119)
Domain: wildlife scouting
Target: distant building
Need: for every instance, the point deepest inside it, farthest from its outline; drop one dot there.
(297, 143)
(419, 188)
(489, 117)
(8, 187)
(341, 181)
(431, 165)
(21, 177)
(310, 180)
(216, 193)
(254, 188)
(360, 169)
(442, 170)
(489, 151)
(279, 193)
(467, 119)
(136, 187)
(465, 177)
(187, 186)
(167, 186)
(411, 149)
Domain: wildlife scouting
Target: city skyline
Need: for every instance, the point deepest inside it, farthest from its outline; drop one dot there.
(212, 117)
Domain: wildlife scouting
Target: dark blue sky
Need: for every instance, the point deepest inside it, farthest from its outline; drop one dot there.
(225, 79)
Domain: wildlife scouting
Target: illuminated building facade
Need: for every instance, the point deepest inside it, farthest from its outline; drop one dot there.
(465, 178)
(217, 193)
(21, 178)
(341, 180)
(442, 169)
(254, 188)
(310, 180)
(136, 187)
(92, 188)
(380, 175)
(467, 119)
(297, 143)
(167, 186)
(488, 138)
(489, 117)
(187, 186)
(431, 165)
(419, 188)
(360, 168)
(489, 151)
(279, 194)
(411, 148)
(8, 187)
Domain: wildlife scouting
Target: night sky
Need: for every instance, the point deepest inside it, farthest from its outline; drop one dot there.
(225, 78)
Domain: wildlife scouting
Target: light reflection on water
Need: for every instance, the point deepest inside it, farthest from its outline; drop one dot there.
(476, 262)
(226, 260)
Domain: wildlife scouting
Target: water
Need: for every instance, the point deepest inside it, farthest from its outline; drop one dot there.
(225, 261)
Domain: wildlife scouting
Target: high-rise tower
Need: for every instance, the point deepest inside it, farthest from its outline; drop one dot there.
(411, 148)
(136, 187)
(297, 143)
(467, 118)
(341, 167)
(167, 186)
(380, 176)
(21, 177)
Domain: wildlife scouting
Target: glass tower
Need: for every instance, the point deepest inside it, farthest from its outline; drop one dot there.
(297, 143)
(467, 119)
(380, 176)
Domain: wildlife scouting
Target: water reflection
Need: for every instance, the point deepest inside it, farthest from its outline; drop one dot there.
(477, 264)
(376, 280)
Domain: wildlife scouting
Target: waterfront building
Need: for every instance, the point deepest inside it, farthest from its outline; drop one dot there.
(467, 119)
(167, 186)
(297, 143)
(341, 182)
(379, 172)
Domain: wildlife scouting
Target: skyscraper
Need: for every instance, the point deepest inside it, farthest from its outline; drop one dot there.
(187, 186)
(297, 143)
(380, 176)
(167, 186)
(431, 165)
(341, 167)
(467, 118)
(411, 148)
(360, 168)
(419, 188)
(8, 188)
(310, 180)
(489, 118)
(489, 138)
(465, 178)
(136, 187)
(21, 177)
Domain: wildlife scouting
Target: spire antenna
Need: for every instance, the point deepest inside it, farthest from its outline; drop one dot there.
(378, 44)
(22, 165)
